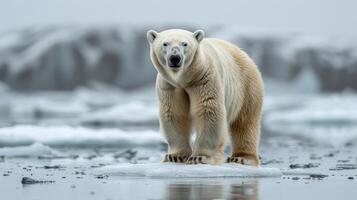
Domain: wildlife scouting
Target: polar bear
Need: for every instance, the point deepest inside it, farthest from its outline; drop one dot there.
(212, 86)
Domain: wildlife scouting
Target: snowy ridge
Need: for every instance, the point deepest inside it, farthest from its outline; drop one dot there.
(324, 118)
(34, 150)
(65, 57)
(168, 170)
(332, 66)
(96, 107)
(77, 136)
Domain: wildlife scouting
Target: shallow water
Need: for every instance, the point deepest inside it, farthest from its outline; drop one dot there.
(77, 177)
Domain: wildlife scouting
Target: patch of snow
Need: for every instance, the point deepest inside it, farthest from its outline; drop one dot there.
(33, 150)
(77, 136)
(329, 119)
(130, 113)
(47, 107)
(8, 40)
(92, 55)
(306, 82)
(170, 170)
(33, 52)
(102, 105)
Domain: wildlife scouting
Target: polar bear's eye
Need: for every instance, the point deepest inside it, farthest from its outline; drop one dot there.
(165, 44)
(184, 44)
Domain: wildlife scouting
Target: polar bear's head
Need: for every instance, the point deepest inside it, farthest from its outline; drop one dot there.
(174, 49)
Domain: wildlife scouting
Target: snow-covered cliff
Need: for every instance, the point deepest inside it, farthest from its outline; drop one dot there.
(66, 57)
(63, 58)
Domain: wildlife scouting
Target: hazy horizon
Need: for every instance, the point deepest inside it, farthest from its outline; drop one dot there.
(316, 17)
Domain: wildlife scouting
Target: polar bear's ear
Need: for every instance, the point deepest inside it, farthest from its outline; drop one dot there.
(199, 35)
(151, 35)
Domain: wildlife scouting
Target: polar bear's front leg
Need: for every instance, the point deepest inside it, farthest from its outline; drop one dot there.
(210, 123)
(175, 124)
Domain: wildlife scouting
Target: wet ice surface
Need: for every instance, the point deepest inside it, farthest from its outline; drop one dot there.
(173, 170)
(309, 172)
(77, 139)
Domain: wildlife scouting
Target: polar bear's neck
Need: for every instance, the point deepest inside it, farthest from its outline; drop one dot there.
(196, 69)
(185, 77)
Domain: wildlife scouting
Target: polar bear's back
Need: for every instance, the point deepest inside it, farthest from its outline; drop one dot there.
(240, 75)
(238, 55)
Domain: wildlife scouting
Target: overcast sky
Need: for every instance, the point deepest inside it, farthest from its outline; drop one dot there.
(312, 17)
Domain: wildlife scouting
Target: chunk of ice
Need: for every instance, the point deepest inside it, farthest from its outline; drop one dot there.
(171, 170)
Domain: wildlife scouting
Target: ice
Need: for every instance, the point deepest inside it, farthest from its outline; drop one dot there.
(34, 150)
(131, 113)
(47, 108)
(322, 118)
(167, 170)
(326, 119)
(77, 136)
(101, 105)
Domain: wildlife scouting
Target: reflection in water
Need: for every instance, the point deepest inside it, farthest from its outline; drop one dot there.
(206, 189)
(244, 191)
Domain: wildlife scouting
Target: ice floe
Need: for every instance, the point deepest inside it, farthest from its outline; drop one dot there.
(77, 136)
(168, 170)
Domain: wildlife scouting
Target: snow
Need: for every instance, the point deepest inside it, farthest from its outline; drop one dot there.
(131, 113)
(32, 54)
(119, 55)
(169, 170)
(77, 136)
(323, 118)
(9, 40)
(68, 56)
(327, 119)
(47, 108)
(101, 106)
(33, 150)
(286, 57)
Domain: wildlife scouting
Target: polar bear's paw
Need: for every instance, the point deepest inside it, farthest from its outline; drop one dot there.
(243, 161)
(198, 160)
(175, 158)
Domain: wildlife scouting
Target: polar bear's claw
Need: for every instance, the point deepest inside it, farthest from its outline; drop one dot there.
(241, 160)
(197, 160)
(175, 158)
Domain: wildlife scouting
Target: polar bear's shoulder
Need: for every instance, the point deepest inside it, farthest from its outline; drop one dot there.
(220, 43)
(225, 47)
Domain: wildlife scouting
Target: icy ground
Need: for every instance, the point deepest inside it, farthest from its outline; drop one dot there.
(296, 171)
(105, 116)
(101, 142)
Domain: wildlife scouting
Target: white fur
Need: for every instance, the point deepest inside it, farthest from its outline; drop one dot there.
(217, 90)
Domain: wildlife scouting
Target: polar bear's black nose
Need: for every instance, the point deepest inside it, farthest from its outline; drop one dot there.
(174, 61)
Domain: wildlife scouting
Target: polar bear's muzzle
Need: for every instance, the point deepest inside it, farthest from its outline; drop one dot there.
(175, 61)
